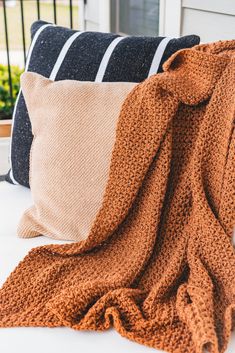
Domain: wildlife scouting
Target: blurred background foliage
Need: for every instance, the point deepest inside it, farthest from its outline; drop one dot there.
(5, 97)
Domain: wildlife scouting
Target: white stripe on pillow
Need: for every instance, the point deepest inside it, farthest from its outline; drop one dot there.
(105, 59)
(158, 56)
(62, 55)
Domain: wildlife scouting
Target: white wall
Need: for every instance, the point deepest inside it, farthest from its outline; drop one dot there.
(211, 19)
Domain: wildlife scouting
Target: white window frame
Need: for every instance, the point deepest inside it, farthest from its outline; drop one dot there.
(170, 18)
(103, 8)
(81, 15)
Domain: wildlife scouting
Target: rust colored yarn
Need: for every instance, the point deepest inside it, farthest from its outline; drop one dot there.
(158, 264)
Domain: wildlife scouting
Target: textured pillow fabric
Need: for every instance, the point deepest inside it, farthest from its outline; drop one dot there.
(74, 125)
(60, 53)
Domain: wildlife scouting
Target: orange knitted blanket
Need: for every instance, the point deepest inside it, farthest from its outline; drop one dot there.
(158, 264)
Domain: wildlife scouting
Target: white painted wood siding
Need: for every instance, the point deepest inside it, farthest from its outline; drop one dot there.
(211, 19)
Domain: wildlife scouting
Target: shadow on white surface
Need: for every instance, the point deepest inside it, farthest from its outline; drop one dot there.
(65, 340)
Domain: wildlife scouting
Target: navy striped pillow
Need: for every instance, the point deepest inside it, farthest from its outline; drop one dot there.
(60, 53)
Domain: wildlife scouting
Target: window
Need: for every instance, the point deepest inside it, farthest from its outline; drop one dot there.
(136, 17)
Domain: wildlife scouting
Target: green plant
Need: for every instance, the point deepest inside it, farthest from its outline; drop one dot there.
(5, 97)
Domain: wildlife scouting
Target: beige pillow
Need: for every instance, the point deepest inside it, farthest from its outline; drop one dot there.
(73, 124)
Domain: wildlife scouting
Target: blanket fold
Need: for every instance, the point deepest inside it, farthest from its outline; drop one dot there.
(158, 264)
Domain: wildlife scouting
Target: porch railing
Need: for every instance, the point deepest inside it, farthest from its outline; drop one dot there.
(71, 7)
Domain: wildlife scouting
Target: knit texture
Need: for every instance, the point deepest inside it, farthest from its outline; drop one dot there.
(74, 124)
(158, 264)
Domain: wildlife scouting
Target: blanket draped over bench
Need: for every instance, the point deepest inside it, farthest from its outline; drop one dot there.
(159, 264)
